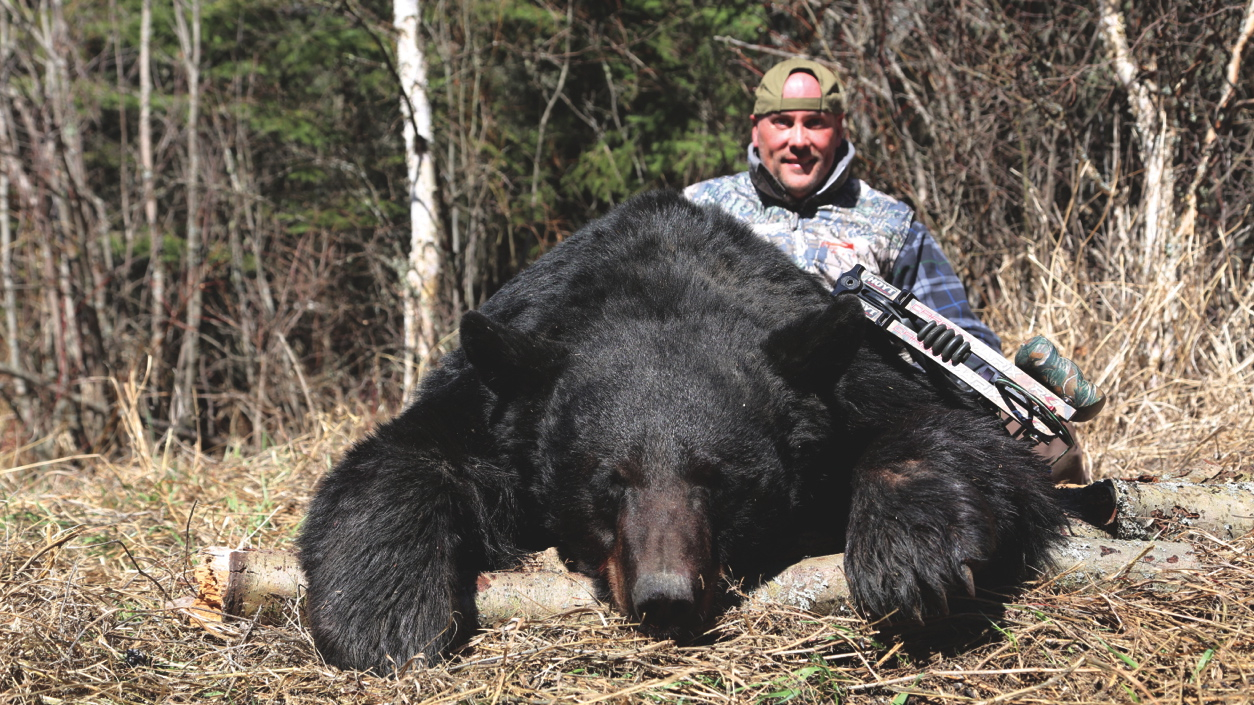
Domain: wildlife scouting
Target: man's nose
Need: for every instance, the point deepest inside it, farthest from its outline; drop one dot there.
(799, 137)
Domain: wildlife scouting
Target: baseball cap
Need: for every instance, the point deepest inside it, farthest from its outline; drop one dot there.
(770, 91)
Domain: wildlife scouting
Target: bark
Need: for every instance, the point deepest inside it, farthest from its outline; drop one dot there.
(6, 242)
(184, 403)
(420, 284)
(252, 583)
(156, 340)
(1147, 510)
(1156, 143)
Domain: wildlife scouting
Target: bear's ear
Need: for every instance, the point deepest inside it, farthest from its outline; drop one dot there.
(812, 352)
(506, 359)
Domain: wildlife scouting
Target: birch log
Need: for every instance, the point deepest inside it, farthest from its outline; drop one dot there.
(259, 584)
(1147, 510)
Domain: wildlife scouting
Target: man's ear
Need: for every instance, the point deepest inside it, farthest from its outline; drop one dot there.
(812, 352)
(508, 360)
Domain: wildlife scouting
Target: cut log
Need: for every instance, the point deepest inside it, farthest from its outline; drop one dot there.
(251, 583)
(1147, 510)
(258, 584)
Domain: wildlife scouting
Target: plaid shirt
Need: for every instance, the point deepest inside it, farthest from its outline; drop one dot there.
(922, 268)
(856, 225)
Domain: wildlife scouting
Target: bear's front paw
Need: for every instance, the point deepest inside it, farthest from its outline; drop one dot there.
(908, 558)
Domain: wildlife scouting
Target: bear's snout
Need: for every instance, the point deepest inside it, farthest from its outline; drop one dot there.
(665, 573)
(665, 600)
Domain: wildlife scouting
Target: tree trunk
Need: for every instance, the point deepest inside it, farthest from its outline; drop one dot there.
(156, 344)
(6, 243)
(10, 297)
(1158, 249)
(184, 406)
(84, 254)
(124, 176)
(420, 283)
(1188, 218)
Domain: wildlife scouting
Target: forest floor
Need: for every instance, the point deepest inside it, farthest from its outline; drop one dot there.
(93, 551)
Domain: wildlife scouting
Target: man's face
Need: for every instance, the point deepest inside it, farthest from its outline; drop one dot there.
(798, 147)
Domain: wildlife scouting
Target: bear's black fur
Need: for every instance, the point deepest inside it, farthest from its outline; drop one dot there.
(669, 401)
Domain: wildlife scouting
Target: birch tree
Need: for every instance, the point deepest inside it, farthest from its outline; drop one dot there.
(1166, 238)
(184, 403)
(6, 242)
(420, 282)
(1156, 143)
(156, 268)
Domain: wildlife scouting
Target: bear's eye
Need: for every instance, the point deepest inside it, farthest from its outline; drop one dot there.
(704, 473)
(626, 473)
(617, 480)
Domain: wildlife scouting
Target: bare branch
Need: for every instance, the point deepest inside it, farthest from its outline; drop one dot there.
(1188, 219)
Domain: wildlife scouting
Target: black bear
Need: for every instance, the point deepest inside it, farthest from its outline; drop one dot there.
(672, 403)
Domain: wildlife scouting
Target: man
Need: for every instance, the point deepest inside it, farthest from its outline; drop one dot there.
(798, 194)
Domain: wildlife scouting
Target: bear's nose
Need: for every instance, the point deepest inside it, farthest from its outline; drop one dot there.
(664, 599)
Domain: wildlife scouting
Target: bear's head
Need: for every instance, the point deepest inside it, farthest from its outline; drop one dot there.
(669, 453)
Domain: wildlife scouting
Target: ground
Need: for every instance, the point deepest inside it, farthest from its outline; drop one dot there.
(92, 550)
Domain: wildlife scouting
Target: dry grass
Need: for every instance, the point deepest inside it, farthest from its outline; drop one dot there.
(1176, 359)
(93, 550)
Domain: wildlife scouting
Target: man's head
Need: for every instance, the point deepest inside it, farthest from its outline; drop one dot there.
(798, 124)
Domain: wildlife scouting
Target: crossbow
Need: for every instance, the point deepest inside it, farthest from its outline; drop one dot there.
(1037, 393)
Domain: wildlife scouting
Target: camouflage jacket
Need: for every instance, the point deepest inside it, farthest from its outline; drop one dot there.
(845, 223)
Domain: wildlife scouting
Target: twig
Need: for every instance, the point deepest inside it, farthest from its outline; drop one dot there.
(58, 540)
(139, 570)
(1039, 686)
(765, 49)
(54, 461)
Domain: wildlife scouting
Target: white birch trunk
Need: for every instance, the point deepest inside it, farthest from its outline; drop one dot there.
(184, 404)
(156, 267)
(1159, 248)
(1188, 218)
(1156, 139)
(6, 243)
(420, 281)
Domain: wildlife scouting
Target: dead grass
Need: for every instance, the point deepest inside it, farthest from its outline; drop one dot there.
(93, 550)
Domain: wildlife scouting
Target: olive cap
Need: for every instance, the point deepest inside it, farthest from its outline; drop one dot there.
(770, 92)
